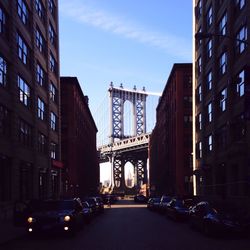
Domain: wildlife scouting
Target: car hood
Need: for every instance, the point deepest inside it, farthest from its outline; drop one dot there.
(53, 213)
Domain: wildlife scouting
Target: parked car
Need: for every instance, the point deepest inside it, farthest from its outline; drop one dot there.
(56, 215)
(140, 198)
(177, 209)
(87, 212)
(99, 203)
(213, 220)
(154, 203)
(109, 198)
(163, 203)
(92, 203)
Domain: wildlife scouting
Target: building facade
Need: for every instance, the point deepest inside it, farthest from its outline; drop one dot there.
(29, 101)
(79, 152)
(170, 149)
(222, 99)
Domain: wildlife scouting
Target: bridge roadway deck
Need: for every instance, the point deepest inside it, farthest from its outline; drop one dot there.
(129, 226)
(133, 143)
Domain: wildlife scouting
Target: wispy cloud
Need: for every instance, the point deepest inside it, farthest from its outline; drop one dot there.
(170, 44)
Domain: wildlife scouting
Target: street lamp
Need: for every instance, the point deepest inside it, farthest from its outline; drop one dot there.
(203, 35)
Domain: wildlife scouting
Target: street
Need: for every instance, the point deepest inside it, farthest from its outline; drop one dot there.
(130, 226)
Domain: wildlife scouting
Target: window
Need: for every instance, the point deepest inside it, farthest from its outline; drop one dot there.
(53, 121)
(199, 150)
(210, 16)
(40, 42)
(238, 128)
(52, 92)
(199, 8)
(209, 48)
(223, 63)
(22, 49)
(223, 99)
(223, 25)
(53, 150)
(209, 112)
(241, 37)
(199, 41)
(40, 75)
(188, 120)
(187, 79)
(2, 21)
(4, 121)
(42, 143)
(22, 11)
(209, 80)
(52, 7)
(187, 101)
(199, 65)
(6, 179)
(52, 35)
(26, 181)
(24, 91)
(25, 133)
(3, 71)
(52, 63)
(240, 87)
(39, 9)
(210, 143)
(199, 121)
(240, 3)
(221, 137)
(40, 109)
(199, 93)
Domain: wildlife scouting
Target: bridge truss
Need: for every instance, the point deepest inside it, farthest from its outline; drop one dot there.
(127, 148)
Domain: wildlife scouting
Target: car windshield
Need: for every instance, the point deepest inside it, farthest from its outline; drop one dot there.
(165, 199)
(157, 199)
(54, 205)
(179, 203)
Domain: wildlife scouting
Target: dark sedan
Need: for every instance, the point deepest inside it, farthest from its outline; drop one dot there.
(177, 209)
(140, 198)
(56, 215)
(212, 220)
(154, 203)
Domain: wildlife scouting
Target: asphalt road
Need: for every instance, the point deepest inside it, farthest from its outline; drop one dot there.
(130, 226)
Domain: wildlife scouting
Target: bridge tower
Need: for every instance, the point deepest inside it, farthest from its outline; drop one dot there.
(118, 96)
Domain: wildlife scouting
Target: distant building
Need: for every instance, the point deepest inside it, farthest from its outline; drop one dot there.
(170, 147)
(222, 100)
(79, 153)
(30, 166)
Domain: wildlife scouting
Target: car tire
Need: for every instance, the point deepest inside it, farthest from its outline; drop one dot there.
(207, 229)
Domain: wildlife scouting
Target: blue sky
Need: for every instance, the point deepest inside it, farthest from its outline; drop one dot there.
(129, 42)
(134, 42)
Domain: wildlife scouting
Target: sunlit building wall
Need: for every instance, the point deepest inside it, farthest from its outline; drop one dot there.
(170, 148)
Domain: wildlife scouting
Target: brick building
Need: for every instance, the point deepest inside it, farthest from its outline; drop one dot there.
(170, 149)
(29, 101)
(222, 99)
(79, 153)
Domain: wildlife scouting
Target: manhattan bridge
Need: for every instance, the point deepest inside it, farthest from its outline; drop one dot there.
(125, 121)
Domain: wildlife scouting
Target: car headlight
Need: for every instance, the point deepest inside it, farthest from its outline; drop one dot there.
(30, 220)
(66, 218)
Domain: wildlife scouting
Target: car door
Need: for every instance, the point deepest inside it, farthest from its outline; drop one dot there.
(20, 213)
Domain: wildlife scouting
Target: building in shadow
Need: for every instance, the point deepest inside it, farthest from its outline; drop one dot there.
(222, 100)
(79, 153)
(30, 165)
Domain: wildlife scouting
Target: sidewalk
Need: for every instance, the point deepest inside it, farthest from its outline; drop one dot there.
(9, 232)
